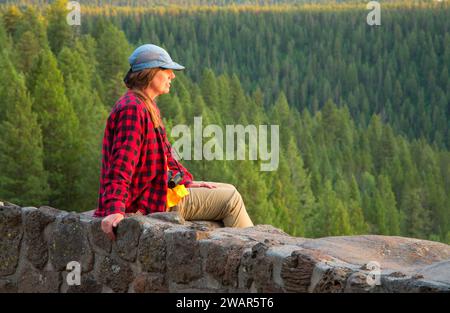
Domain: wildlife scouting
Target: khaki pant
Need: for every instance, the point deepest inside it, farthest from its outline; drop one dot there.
(221, 203)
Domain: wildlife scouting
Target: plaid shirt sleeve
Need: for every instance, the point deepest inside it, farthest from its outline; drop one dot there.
(124, 156)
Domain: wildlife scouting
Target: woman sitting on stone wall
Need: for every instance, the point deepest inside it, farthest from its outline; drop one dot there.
(139, 173)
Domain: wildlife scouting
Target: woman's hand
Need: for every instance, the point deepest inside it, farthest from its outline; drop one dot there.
(202, 184)
(109, 222)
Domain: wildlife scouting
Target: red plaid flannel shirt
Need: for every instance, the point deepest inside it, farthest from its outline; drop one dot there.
(133, 174)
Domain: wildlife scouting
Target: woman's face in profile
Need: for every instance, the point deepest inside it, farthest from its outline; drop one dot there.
(160, 84)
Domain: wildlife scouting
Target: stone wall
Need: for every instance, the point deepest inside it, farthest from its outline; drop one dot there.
(164, 253)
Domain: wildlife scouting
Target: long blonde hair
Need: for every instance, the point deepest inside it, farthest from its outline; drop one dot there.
(137, 82)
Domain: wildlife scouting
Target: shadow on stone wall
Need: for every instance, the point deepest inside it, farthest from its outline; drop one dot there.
(163, 253)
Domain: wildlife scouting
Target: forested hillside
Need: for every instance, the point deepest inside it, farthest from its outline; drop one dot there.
(363, 111)
(399, 70)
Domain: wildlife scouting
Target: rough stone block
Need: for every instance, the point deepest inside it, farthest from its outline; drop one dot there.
(277, 256)
(152, 249)
(150, 282)
(11, 232)
(357, 283)
(127, 239)
(115, 274)
(33, 281)
(35, 222)
(183, 259)
(100, 241)
(257, 269)
(69, 243)
(333, 280)
(222, 260)
(297, 270)
(88, 284)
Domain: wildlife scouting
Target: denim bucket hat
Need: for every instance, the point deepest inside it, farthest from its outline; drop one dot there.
(150, 56)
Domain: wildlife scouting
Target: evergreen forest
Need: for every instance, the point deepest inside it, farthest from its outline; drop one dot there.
(363, 110)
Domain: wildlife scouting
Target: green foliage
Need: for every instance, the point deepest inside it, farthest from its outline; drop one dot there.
(59, 32)
(374, 70)
(91, 115)
(363, 113)
(23, 179)
(60, 129)
(112, 56)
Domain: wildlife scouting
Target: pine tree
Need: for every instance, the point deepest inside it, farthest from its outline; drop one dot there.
(281, 115)
(86, 46)
(112, 55)
(340, 220)
(416, 217)
(27, 51)
(23, 180)
(59, 126)
(359, 225)
(5, 42)
(208, 86)
(238, 102)
(225, 102)
(252, 185)
(304, 203)
(92, 114)
(331, 218)
(185, 110)
(285, 198)
(10, 19)
(388, 218)
(368, 192)
(59, 31)
(31, 21)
